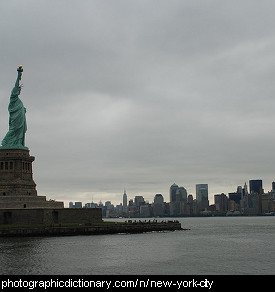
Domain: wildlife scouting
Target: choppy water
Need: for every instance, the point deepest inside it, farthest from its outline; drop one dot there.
(214, 245)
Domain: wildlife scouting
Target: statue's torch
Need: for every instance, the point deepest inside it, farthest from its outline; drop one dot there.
(20, 68)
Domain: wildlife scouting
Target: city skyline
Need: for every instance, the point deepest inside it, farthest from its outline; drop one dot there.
(254, 201)
(115, 197)
(179, 193)
(142, 94)
(148, 196)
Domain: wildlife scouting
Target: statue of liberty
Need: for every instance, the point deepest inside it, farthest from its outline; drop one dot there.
(15, 138)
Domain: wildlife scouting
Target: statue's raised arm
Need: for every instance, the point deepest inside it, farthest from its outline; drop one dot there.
(15, 138)
(17, 88)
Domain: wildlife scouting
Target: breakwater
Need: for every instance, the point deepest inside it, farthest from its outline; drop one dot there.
(92, 229)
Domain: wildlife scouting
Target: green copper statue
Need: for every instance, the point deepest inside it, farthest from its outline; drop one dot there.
(15, 138)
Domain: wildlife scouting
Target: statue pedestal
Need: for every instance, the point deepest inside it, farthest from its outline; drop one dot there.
(17, 187)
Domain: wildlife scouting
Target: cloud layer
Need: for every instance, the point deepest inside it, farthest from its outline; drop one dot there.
(142, 94)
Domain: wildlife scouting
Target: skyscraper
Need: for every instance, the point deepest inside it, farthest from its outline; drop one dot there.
(255, 186)
(181, 194)
(245, 191)
(158, 199)
(139, 200)
(178, 197)
(202, 196)
(124, 201)
(158, 206)
(221, 202)
(173, 192)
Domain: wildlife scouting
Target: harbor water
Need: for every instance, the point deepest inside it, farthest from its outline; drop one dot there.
(213, 245)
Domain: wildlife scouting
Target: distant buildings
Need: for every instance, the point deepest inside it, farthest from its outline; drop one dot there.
(178, 200)
(75, 205)
(202, 196)
(173, 192)
(124, 202)
(221, 203)
(158, 206)
(241, 202)
(256, 202)
(255, 186)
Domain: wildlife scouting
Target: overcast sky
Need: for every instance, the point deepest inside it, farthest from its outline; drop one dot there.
(142, 94)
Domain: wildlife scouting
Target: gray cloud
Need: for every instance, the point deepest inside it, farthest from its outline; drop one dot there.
(141, 94)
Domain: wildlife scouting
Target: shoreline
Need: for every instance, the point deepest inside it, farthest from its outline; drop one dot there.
(90, 229)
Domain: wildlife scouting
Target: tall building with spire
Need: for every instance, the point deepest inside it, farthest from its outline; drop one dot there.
(124, 201)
